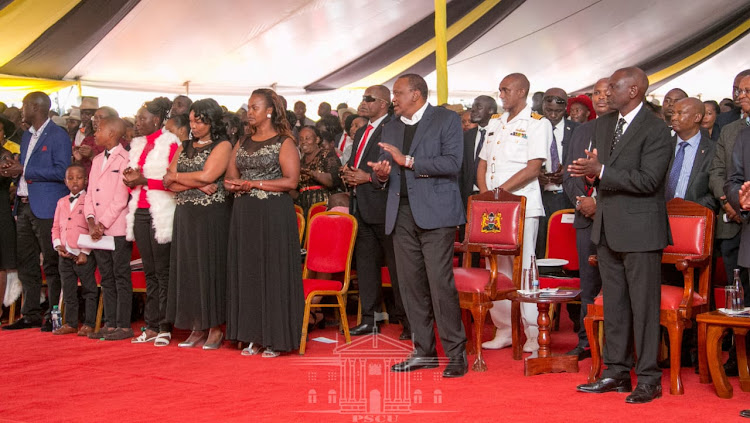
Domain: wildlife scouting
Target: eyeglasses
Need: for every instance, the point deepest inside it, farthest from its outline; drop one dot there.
(555, 99)
(739, 92)
(370, 99)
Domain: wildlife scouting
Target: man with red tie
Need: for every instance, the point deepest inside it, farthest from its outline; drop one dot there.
(367, 204)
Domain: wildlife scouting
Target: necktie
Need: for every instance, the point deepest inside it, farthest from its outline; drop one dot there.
(479, 146)
(106, 154)
(362, 143)
(674, 174)
(554, 155)
(73, 197)
(618, 133)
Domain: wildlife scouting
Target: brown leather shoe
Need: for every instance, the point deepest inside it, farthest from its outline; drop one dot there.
(85, 330)
(65, 329)
(103, 331)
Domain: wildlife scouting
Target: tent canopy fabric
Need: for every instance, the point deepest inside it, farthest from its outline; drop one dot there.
(303, 46)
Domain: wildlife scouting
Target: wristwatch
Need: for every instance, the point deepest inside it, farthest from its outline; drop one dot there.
(409, 162)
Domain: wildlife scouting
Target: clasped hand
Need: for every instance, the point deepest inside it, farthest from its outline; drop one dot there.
(354, 177)
(588, 166)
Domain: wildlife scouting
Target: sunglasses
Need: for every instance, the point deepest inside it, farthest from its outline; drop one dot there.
(555, 99)
(370, 99)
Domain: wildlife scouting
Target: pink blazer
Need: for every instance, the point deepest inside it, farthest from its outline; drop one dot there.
(107, 195)
(69, 224)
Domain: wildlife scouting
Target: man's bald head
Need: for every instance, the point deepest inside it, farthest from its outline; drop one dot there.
(35, 110)
(687, 117)
(520, 81)
(556, 92)
(381, 91)
(627, 89)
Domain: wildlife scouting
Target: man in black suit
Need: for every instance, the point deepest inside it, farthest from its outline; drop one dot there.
(692, 152)
(631, 228)
(670, 99)
(481, 111)
(583, 195)
(553, 107)
(367, 204)
(420, 163)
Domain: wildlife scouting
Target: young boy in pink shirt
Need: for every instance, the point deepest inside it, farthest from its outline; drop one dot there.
(74, 263)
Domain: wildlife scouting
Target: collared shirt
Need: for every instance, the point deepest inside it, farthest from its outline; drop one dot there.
(476, 145)
(508, 147)
(416, 117)
(687, 162)
(559, 134)
(106, 159)
(23, 187)
(628, 118)
(76, 198)
(363, 142)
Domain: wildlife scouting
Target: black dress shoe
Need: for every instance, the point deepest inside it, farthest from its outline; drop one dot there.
(23, 323)
(745, 414)
(582, 353)
(47, 326)
(605, 384)
(730, 367)
(415, 363)
(457, 366)
(405, 335)
(364, 329)
(644, 393)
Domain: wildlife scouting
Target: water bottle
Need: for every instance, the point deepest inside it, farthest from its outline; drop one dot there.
(739, 294)
(56, 318)
(534, 275)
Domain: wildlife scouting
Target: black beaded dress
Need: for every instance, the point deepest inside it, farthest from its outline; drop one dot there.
(265, 300)
(196, 298)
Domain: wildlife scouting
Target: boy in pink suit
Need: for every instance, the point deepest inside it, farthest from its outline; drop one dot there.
(74, 263)
(105, 209)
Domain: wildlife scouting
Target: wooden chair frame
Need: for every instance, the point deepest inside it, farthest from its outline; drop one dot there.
(479, 303)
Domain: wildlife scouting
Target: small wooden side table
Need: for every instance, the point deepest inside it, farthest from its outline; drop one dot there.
(712, 327)
(546, 362)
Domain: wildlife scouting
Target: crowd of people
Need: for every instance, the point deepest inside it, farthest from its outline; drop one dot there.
(207, 197)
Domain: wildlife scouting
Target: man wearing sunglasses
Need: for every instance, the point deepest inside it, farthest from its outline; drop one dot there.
(373, 248)
(554, 104)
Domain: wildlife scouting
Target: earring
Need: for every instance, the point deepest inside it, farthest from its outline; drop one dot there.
(268, 116)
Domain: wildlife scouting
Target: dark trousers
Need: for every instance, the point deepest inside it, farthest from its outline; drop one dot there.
(591, 280)
(552, 202)
(34, 236)
(424, 261)
(155, 258)
(632, 295)
(373, 248)
(117, 287)
(71, 273)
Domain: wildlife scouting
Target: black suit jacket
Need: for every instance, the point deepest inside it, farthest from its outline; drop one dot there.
(581, 139)
(739, 173)
(468, 176)
(568, 128)
(631, 208)
(370, 202)
(698, 190)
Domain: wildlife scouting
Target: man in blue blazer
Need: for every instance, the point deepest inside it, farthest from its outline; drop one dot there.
(419, 166)
(45, 154)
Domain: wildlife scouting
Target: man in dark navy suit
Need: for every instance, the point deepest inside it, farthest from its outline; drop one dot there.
(45, 155)
(419, 165)
(367, 204)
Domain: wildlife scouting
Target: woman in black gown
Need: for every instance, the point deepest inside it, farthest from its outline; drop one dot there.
(265, 300)
(196, 298)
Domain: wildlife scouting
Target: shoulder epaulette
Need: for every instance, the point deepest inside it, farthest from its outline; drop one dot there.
(535, 115)
(495, 116)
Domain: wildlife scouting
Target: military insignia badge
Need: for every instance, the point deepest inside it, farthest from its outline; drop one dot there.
(491, 222)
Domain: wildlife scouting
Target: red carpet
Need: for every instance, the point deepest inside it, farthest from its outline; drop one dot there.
(47, 378)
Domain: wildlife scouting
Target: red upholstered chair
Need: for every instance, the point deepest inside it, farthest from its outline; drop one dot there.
(692, 228)
(330, 244)
(561, 244)
(494, 227)
(299, 210)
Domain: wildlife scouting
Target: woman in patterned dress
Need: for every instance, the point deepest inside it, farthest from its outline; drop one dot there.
(265, 301)
(197, 282)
